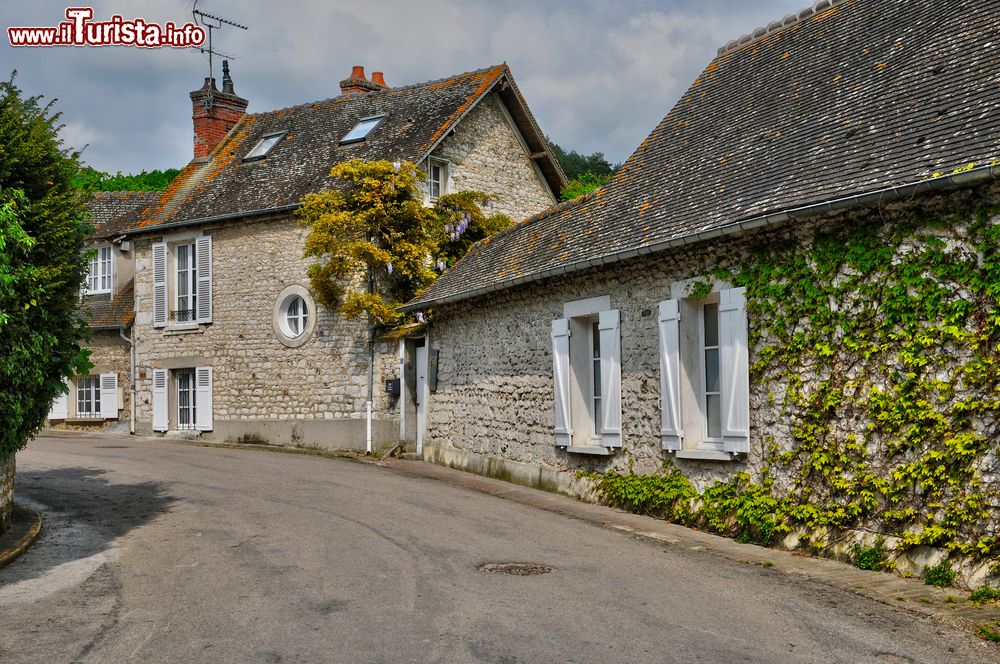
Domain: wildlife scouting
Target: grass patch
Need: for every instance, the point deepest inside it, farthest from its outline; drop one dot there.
(874, 557)
(985, 595)
(940, 575)
(990, 632)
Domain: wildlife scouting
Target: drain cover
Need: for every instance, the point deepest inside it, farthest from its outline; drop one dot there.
(515, 569)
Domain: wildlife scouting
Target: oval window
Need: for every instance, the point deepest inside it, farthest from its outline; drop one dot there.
(296, 316)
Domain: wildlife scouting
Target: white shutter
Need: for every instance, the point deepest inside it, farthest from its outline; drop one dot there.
(160, 420)
(109, 396)
(560, 371)
(735, 370)
(203, 398)
(611, 378)
(203, 252)
(60, 407)
(671, 429)
(159, 284)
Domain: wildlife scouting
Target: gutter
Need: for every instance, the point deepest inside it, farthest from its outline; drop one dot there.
(131, 380)
(208, 220)
(886, 195)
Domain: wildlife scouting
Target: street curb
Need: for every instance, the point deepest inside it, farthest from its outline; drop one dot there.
(949, 605)
(26, 529)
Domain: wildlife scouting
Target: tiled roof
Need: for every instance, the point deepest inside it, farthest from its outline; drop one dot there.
(106, 312)
(113, 211)
(852, 98)
(418, 117)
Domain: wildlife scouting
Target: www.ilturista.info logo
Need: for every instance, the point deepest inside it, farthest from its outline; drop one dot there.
(80, 30)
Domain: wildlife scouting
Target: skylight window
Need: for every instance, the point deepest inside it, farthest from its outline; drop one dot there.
(264, 147)
(362, 129)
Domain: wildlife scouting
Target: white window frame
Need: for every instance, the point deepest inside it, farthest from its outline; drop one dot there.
(708, 441)
(594, 402)
(101, 271)
(191, 281)
(91, 387)
(302, 318)
(442, 181)
(192, 407)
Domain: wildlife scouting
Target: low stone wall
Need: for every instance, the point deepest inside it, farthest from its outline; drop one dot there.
(6, 492)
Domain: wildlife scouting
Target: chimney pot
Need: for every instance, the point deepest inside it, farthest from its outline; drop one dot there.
(378, 79)
(356, 83)
(358, 71)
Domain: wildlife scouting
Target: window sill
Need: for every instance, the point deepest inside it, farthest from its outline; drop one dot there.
(193, 328)
(705, 455)
(593, 450)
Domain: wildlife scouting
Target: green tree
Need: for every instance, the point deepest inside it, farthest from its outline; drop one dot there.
(377, 245)
(585, 172)
(91, 179)
(43, 224)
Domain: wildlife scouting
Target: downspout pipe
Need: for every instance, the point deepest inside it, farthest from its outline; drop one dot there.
(131, 380)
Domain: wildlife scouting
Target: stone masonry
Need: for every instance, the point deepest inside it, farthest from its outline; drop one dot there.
(486, 155)
(315, 393)
(495, 393)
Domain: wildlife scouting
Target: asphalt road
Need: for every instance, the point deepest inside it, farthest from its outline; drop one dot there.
(165, 552)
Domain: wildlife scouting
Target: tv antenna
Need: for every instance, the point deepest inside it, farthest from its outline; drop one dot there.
(211, 23)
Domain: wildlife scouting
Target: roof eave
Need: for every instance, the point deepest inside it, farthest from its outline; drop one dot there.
(885, 195)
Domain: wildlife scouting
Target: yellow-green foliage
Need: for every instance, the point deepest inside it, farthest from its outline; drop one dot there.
(880, 350)
(377, 245)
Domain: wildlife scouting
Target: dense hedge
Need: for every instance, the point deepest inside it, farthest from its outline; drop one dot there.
(43, 224)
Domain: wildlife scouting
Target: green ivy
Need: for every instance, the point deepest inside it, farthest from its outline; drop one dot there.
(880, 349)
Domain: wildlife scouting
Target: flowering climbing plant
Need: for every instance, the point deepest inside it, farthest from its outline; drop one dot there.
(376, 244)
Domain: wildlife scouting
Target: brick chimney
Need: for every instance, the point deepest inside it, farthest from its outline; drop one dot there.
(215, 113)
(356, 83)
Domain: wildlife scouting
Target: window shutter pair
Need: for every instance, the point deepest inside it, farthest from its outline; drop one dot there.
(203, 399)
(610, 416)
(109, 396)
(60, 407)
(734, 372)
(203, 263)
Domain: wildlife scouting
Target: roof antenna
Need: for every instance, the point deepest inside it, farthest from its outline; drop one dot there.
(211, 23)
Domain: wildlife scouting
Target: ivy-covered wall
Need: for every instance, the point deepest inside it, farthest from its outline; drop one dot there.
(875, 378)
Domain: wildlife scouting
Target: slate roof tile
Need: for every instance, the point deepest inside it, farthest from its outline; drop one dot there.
(863, 95)
(417, 118)
(107, 312)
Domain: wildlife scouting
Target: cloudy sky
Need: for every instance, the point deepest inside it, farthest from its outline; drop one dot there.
(598, 74)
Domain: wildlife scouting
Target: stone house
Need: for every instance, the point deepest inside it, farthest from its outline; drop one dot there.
(627, 339)
(229, 342)
(103, 398)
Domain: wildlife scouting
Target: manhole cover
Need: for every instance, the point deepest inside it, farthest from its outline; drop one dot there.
(515, 569)
(111, 447)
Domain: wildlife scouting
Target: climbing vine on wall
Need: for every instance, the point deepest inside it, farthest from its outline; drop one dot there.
(879, 351)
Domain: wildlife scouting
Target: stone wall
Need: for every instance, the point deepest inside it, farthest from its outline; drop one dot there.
(110, 354)
(486, 155)
(495, 393)
(6, 492)
(312, 394)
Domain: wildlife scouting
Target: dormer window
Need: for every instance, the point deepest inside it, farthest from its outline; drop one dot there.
(100, 275)
(361, 130)
(264, 147)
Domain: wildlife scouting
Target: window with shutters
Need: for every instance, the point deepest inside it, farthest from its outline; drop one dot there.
(100, 272)
(704, 375)
(182, 282)
(587, 378)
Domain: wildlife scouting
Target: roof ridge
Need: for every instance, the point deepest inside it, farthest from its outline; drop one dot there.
(776, 26)
(374, 93)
